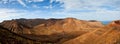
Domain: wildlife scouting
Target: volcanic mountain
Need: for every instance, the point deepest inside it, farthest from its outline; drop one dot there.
(61, 31)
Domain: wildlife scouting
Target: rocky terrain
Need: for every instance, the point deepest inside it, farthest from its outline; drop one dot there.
(58, 31)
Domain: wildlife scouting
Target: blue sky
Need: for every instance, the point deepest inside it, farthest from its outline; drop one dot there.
(102, 10)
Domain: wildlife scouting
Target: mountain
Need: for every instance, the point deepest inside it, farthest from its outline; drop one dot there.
(51, 29)
(40, 26)
(62, 31)
(109, 34)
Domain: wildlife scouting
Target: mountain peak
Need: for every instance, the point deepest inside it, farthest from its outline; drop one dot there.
(70, 18)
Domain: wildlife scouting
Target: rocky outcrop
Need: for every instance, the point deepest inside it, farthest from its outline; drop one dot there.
(115, 23)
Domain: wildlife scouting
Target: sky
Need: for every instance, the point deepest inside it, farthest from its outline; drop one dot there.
(101, 10)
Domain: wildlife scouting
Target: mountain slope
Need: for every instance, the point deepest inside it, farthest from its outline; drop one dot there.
(8, 37)
(106, 35)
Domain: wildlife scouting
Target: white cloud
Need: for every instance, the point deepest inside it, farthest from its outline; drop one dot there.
(52, 1)
(35, 6)
(72, 4)
(48, 7)
(91, 4)
(38, 0)
(34, 1)
(5, 13)
(8, 14)
(72, 8)
(101, 15)
(22, 3)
